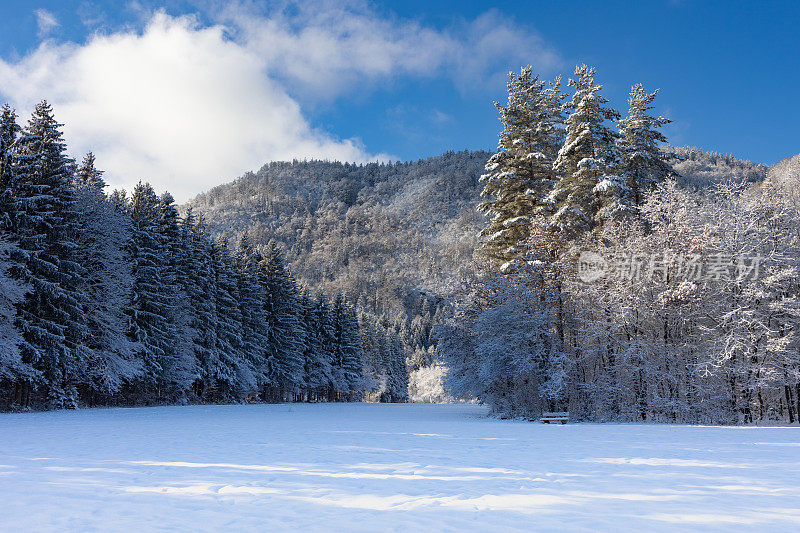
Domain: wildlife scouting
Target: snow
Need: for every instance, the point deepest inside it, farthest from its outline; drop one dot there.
(357, 467)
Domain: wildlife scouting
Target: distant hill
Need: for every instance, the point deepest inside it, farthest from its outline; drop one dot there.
(784, 176)
(396, 239)
(699, 168)
(786, 171)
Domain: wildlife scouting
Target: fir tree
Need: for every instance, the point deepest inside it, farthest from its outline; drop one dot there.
(589, 188)
(347, 351)
(104, 237)
(149, 312)
(520, 175)
(251, 307)
(51, 317)
(9, 132)
(235, 376)
(88, 174)
(317, 367)
(285, 336)
(194, 276)
(642, 162)
(12, 293)
(182, 369)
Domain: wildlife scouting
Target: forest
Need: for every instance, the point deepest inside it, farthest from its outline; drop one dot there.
(120, 300)
(613, 287)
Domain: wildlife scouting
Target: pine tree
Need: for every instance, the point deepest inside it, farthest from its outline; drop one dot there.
(12, 265)
(317, 354)
(234, 375)
(149, 312)
(182, 369)
(12, 293)
(88, 174)
(9, 132)
(285, 335)
(398, 384)
(520, 175)
(194, 277)
(641, 161)
(52, 316)
(347, 351)
(589, 189)
(104, 237)
(251, 308)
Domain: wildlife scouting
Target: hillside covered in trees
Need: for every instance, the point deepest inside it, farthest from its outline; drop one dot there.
(396, 239)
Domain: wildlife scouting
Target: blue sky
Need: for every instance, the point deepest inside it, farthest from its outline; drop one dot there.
(217, 88)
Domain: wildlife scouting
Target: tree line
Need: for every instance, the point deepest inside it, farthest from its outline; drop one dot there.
(686, 309)
(119, 300)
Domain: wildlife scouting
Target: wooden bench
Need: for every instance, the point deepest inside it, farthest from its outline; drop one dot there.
(554, 417)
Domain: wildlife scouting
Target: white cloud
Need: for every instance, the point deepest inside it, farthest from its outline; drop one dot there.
(188, 106)
(177, 105)
(328, 49)
(45, 21)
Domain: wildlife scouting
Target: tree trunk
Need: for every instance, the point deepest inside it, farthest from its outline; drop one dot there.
(788, 393)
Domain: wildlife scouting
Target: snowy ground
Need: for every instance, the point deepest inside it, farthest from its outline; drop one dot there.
(385, 467)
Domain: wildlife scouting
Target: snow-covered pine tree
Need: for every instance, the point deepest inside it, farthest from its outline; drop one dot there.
(13, 369)
(51, 317)
(198, 316)
(150, 310)
(12, 264)
(374, 373)
(88, 173)
(285, 335)
(317, 354)
(397, 386)
(236, 376)
(9, 132)
(642, 163)
(327, 343)
(347, 351)
(520, 175)
(251, 308)
(182, 369)
(589, 189)
(104, 237)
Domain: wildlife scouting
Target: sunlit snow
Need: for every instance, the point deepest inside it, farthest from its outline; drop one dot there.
(357, 467)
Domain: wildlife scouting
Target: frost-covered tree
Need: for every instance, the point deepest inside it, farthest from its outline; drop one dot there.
(498, 346)
(89, 174)
(182, 369)
(13, 370)
(235, 375)
(520, 175)
(251, 307)
(9, 132)
(150, 315)
(318, 353)
(195, 277)
(347, 351)
(104, 237)
(641, 160)
(589, 189)
(51, 317)
(285, 335)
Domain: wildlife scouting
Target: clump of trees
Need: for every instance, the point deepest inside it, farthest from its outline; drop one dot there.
(121, 300)
(695, 316)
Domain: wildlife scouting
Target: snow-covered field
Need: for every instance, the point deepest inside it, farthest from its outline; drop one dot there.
(386, 467)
